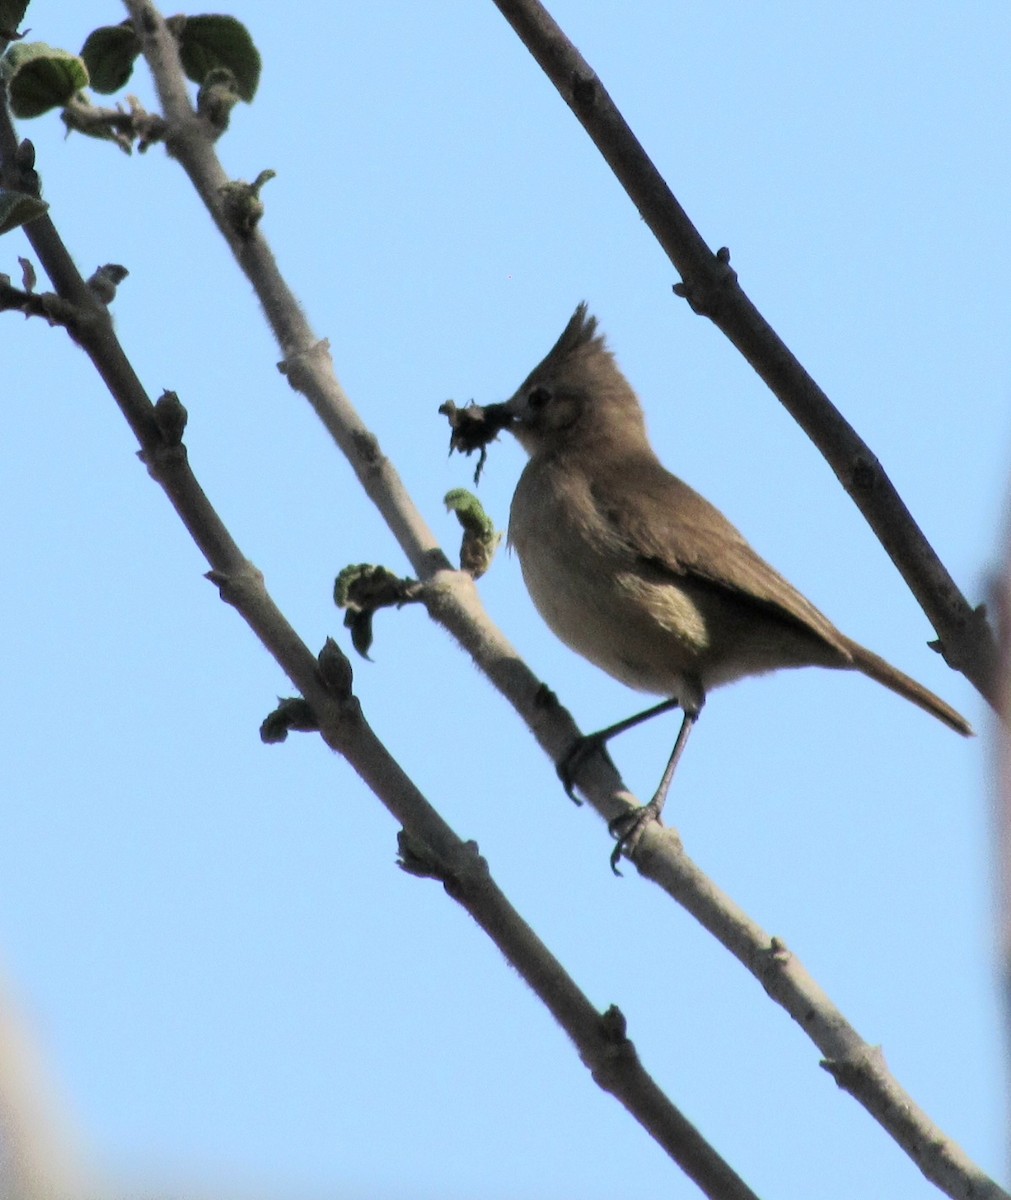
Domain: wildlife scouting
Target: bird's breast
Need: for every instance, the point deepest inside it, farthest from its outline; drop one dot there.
(591, 590)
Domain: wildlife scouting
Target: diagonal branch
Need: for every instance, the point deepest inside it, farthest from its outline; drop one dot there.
(428, 845)
(711, 288)
(453, 601)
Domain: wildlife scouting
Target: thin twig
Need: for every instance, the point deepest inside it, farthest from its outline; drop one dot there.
(36, 304)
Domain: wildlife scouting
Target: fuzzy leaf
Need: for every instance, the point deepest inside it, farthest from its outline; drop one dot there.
(40, 77)
(362, 589)
(18, 208)
(109, 54)
(480, 539)
(219, 41)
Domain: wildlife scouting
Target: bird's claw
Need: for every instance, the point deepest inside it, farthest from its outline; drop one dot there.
(628, 828)
(576, 755)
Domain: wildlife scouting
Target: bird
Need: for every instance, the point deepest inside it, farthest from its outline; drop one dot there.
(639, 573)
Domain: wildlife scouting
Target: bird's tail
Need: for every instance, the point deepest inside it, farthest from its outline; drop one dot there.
(871, 664)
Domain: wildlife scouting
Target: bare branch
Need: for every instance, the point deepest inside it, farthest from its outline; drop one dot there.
(856, 1066)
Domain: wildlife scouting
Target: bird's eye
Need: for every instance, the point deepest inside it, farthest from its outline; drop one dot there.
(539, 396)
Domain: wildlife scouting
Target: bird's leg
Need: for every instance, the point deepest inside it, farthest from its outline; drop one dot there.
(583, 747)
(628, 827)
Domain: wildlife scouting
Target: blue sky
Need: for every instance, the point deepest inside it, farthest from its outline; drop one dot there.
(229, 982)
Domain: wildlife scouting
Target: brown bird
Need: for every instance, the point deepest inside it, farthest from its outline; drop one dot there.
(639, 573)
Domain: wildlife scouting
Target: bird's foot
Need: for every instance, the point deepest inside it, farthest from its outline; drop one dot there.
(576, 755)
(628, 828)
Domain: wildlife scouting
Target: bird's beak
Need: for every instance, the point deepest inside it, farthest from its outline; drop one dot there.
(514, 411)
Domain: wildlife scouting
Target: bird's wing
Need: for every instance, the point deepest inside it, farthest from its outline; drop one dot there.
(695, 541)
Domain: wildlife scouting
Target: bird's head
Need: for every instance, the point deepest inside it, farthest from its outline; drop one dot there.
(576, 396)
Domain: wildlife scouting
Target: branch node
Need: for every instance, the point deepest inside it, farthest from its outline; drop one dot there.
(298, 367)
(218, 95)
(613, 1052)
(335, 671)
(292, 713)
(52, 308)
(585, 88)
(105, 280)
(241, 204)
(864, 474)
(460, 868)
(771, 963)
(170, 417)
(857, 1069)
(367, 449)
(708, 290)
(24, 164)
(237, 587)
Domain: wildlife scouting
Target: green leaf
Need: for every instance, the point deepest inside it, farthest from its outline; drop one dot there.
(12, 13)
(480, 539)
(362, 589)
(218, 41)
(40, 77)
(18, 208)
(109, 54)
